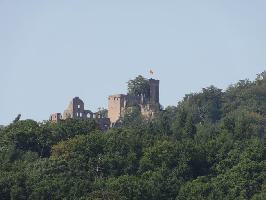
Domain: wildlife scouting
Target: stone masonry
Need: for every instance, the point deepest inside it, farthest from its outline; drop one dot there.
(75, 110)
(149, 106)
(118, 104)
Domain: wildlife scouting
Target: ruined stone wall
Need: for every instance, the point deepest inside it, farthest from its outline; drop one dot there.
(149, 111)
(149, 106)
(55, 117)
(104, 123)
(76, 110)
(68, 113)
(117, 105)
(132, 100)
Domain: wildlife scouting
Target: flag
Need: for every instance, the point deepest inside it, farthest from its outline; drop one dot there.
(151, 72)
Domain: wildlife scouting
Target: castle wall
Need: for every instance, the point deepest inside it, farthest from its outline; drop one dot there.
(104, 123)
(117, 105)
(76, 110)
(56, 117)
(149, 106)
(132, 100)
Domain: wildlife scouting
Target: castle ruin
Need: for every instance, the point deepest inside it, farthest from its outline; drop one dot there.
(117, 107)
(75, 110)
(149, 105)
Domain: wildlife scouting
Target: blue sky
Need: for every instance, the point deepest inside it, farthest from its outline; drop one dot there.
(51, 51)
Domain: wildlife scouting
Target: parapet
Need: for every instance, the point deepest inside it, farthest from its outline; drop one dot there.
(116, 96)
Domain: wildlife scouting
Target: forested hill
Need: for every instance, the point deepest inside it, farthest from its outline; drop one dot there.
(210, 146)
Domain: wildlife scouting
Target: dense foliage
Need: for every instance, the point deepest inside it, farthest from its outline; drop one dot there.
(138, 86)
(210, 146)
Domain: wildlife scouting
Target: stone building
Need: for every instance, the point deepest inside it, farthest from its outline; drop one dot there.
(75, 110)
(55, 117)
(149, 105)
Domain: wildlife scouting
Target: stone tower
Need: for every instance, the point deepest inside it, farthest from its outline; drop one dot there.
(154, 91)
(116, 103)
(149, 106)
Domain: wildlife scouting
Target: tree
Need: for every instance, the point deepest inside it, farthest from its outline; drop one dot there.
(210, 146)
(103, 112)
(131, 118)
(104, 195)
(138, 86)
(190, 128)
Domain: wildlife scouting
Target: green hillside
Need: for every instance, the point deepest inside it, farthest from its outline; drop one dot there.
(210, 146)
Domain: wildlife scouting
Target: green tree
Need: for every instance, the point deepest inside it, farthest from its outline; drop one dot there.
(138, 86)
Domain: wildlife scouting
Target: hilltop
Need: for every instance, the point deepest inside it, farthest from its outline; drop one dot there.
(211, 145)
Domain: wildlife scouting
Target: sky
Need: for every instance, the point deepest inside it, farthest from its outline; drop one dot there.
(52, 51)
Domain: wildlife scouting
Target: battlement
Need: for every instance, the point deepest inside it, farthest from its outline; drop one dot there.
(116, 97)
